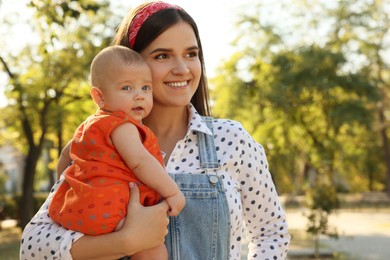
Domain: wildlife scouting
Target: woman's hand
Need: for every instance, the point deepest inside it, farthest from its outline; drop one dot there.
(144, 227)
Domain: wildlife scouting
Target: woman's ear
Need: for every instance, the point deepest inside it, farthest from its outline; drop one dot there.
(97, 96)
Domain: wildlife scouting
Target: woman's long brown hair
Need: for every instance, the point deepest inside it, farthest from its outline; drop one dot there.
(155, 25)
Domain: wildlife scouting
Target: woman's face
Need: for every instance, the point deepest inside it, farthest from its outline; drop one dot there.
(176, 69)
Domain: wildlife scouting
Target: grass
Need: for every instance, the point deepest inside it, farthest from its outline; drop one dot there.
(301, 241)
(302, 248)
(10, 239)
(10, 243)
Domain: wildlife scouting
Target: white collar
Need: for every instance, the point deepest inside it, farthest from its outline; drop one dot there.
(195, 121)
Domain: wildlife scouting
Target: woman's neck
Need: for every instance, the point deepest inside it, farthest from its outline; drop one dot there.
(165, 120)
(169, 125)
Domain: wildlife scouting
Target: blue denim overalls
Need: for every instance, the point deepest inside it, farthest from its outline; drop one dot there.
(202, 229)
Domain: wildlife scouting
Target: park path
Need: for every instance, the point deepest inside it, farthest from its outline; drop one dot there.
(363, 234)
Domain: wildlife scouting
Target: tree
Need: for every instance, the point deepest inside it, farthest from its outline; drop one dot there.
(321, 200)
(361, 31)
(47, 81)
(307, 99)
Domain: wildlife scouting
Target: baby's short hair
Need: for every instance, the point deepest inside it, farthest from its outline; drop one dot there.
(107, 58)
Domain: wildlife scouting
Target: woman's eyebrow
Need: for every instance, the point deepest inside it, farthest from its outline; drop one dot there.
(160, 50)
(195, 47)
(170, 50)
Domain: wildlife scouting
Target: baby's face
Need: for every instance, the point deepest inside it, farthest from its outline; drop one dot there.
(129, 89)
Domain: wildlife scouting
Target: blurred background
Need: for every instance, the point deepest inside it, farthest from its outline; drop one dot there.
(309, 79)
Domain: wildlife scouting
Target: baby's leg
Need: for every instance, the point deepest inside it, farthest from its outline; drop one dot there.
(156, 253)
(120, 224)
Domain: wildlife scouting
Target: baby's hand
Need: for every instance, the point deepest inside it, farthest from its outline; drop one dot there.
(176, 204)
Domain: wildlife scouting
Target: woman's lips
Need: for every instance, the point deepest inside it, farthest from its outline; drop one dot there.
(180, 84)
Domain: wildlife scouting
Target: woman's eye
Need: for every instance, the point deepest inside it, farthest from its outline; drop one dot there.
(192, 54)
(161, 56)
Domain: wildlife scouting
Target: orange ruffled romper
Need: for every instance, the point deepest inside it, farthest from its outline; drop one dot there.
(94, 196)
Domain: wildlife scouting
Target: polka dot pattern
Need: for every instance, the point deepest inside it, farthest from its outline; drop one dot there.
(255, 210)
(253, 201)
(44, 239)
(99, 176)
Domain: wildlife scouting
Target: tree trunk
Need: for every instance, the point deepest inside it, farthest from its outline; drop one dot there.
(27, 210)
(316, 247)
(47, 159)
(60, 141)
(371, 181)
(385, 146)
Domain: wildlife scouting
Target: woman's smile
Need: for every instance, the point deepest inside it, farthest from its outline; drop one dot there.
(177, 85)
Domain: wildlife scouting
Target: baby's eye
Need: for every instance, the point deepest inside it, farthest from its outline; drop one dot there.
(146, 87)
(127, 88)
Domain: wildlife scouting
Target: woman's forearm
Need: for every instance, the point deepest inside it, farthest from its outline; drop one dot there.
(102, 247)
(144, 228)
(64, 159)
(42, 238)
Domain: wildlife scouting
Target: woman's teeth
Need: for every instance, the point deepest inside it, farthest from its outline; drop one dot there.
(177, 84)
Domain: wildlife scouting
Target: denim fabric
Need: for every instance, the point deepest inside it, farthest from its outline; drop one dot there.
(202, 229)
(207, 154)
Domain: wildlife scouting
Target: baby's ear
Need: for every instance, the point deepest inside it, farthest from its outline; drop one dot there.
(97, 96)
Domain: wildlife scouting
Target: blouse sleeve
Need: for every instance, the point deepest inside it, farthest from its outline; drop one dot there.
(263, 215)
(44, 239)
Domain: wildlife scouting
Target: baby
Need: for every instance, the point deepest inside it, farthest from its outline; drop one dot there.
(112, 148)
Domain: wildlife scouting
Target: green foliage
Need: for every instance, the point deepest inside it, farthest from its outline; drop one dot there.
(3, 198)
(321, 200)
(8, 207)
(61, 11)
(313, 104)
(322, 197)
(48, 90)
(10, 204)
(319, 107)
(48, 82)
(3, 179)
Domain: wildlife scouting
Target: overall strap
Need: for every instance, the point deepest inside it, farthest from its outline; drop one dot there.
(207, 152)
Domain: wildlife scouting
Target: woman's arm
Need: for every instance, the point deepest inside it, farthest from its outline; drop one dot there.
(64, 160)
(42, 238)
(263, 214)
(138, 233)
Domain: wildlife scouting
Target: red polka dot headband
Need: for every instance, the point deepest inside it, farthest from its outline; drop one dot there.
(143, 15)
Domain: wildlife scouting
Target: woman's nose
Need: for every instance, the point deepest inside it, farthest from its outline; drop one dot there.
(180, 66)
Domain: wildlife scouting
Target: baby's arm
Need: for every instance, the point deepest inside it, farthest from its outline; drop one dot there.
(176, 203)
(64, 160)
(148, 170)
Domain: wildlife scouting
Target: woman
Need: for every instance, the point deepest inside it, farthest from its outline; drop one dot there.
(221, 170)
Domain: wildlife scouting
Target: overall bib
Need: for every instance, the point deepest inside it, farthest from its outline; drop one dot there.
(202, 229)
